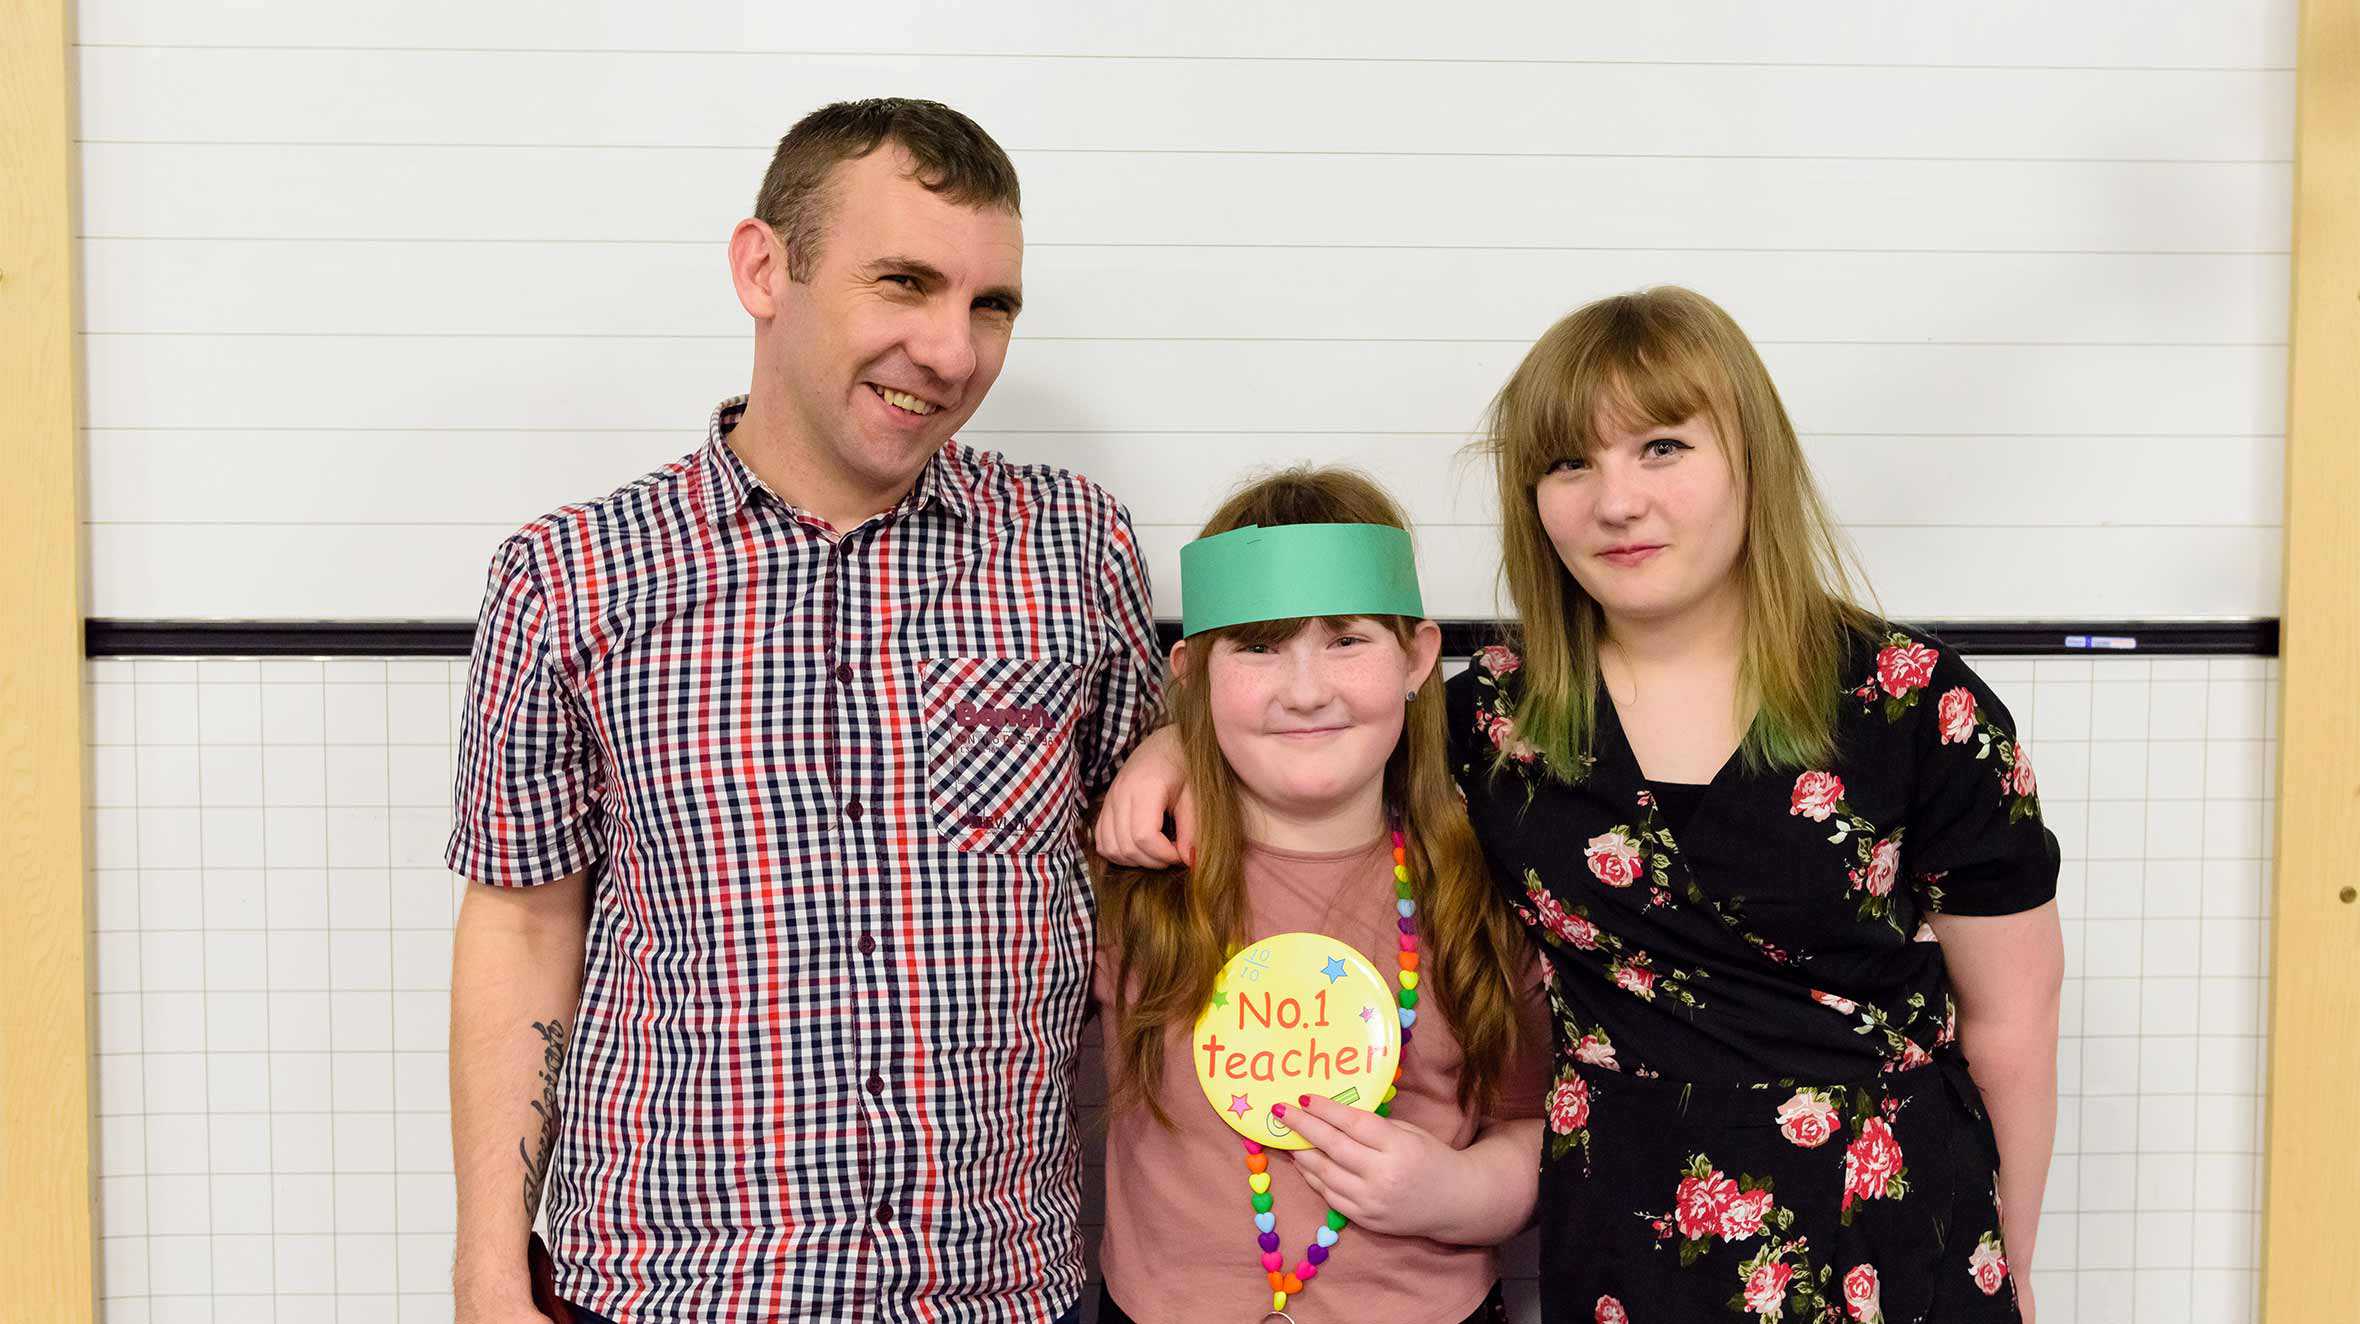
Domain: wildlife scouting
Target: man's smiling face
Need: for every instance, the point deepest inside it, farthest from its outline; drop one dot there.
(904, 322)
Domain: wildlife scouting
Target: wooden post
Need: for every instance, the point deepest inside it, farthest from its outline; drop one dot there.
(2314, 1079)
(47, 1255)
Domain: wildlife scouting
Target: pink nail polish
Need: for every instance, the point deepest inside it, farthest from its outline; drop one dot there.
(1278, 1110)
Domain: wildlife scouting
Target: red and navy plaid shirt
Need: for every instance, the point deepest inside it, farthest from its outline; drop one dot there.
(827, 788)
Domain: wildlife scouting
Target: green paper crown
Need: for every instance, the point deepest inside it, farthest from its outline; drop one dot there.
(1289, 570)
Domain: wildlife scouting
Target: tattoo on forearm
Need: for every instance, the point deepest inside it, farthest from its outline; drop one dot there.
(536, 1154)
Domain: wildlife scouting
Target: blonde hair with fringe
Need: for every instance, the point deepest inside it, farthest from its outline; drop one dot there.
(1660, 357)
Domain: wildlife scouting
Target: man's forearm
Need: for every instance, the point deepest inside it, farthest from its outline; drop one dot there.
(516, 979)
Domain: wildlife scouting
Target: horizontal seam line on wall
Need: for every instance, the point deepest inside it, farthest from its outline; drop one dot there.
(1151, 524)
(1194, 59)
(1340, 152)
(1283, 246)
(739, 336)
(1160, 432)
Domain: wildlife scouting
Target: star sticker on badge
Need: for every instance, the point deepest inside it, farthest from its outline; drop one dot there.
(1240, 1104)
(1368, 1013)
(1334, 969)
(1220, 999)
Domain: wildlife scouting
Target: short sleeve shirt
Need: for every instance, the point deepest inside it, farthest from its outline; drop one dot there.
(826, 784)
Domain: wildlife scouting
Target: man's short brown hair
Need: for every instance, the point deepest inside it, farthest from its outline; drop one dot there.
(953, 155)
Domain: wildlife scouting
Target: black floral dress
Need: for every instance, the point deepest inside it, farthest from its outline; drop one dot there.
(1760, 1107)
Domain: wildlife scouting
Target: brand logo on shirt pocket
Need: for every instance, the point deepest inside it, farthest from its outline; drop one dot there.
(1000, 771)
(1017, 723)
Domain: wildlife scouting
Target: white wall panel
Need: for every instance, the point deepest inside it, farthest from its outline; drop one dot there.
(693, 195)
(329, 569)
(387, 477)
(152, 381)
(1181, 291)
(150, 94)
(2102, 33)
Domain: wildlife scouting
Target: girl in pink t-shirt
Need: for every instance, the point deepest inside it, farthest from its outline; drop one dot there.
(1315, 736)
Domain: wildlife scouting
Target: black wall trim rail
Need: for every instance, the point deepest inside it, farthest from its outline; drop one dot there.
(119, 638)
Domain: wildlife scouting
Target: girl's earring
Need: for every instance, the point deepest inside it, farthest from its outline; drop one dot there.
(1411, 697)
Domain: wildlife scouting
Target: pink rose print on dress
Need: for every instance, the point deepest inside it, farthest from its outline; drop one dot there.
(1903, 668)
(1842, 1004)
(1569, 1106)
(1957, 716)
(1595, 1050)
(1743, 1218)
(1550, 915)
(1872, 1163)
(1765, 1289)
(1498, 659)
(1635, 977)
(1614, 858)
(1863, 1299)
(1701, 1202)
(1808, 1119)
(1816, 794)
(1610, 1311)
(1579, 931)
(1884, 866)
(2020, 779)
(1502, 731)
(1989, 1264)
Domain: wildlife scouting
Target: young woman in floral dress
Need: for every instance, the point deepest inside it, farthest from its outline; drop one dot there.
(1784, 860)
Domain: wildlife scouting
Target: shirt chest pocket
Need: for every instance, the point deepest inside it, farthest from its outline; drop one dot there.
(1000, 765)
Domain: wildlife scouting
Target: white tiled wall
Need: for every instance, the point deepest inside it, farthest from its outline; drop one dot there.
(273, 946)
(273, 964)
(2158, 778)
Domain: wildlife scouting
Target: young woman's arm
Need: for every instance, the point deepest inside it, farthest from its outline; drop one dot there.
(1393, 1177)
(1984, 867)
(2007, 971)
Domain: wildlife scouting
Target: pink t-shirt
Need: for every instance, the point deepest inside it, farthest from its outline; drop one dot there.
(1179, 1241)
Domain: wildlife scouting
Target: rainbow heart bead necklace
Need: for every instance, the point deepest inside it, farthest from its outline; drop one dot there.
(1283, 1284)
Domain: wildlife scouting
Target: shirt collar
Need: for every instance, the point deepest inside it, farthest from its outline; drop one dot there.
(942, 485)
(726, 485)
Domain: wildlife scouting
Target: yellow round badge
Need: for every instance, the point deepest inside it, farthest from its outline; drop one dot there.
(1295, 1014)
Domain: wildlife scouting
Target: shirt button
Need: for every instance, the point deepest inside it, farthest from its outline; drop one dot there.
(884, 1211)
(852, 810)
(844, 672)
(876, 1083)
(868, 944)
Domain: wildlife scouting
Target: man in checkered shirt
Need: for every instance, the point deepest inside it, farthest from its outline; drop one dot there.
(772, 765)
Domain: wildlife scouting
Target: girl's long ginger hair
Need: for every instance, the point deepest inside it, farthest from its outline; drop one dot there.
(1174, 928)
(1657, 358)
